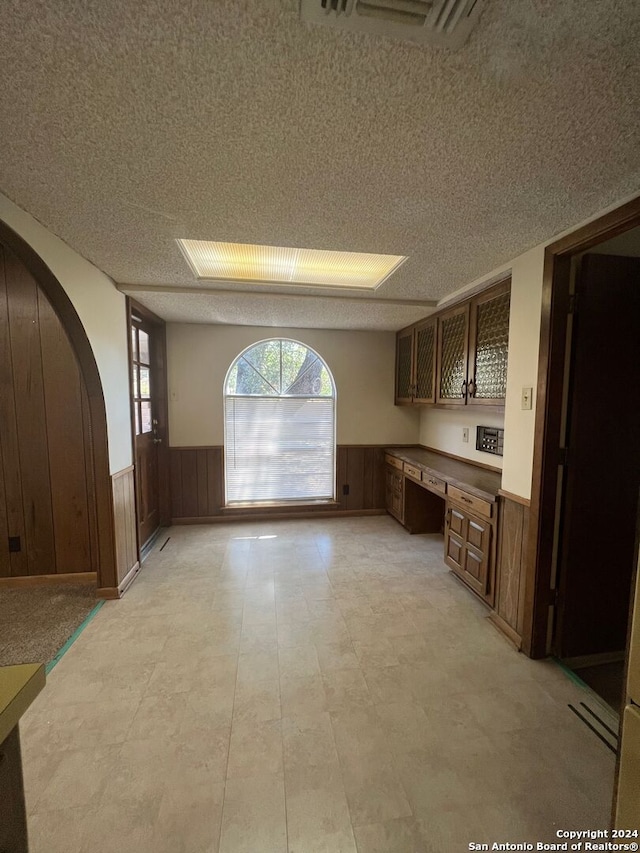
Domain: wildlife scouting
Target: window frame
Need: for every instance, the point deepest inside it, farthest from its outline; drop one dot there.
(333, 397)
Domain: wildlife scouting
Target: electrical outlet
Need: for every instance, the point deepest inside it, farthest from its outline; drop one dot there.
(465, 434)
(174, 396)
(527, 398)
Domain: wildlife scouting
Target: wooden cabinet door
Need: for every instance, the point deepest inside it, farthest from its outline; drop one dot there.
(458, 522)
(404, 367)
(454, 552)
(468, 549)
(424, 359)
(453, 350)
(489, 346)
(394, 485)
(475, 568)
(478, 534)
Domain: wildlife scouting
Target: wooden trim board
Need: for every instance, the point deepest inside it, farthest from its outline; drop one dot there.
(47, 580)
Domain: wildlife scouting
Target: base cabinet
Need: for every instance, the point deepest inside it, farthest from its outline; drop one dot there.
(468, 549)
(394, 492)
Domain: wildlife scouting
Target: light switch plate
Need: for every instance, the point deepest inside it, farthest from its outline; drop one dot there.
(527, 398)
(465, 433)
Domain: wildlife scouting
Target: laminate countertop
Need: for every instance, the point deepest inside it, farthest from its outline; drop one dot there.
(464, 475)
(19, 686)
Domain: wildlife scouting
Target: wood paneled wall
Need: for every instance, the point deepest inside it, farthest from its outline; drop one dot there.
(124, 516)
(197, 481)
(47, 500)
(513, 529)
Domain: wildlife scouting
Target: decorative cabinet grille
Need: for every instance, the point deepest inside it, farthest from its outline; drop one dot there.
(404, 367)
(490, 346)
(453, 348)
(415, 363)
(458, 357)
(425, 353)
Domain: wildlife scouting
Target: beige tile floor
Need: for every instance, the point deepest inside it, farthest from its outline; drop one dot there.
(311, 687)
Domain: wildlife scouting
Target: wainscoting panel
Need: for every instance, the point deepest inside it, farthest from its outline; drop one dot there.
(362, 469)
(124, 515)
(47, 499)
(197, 481)
(514, 519)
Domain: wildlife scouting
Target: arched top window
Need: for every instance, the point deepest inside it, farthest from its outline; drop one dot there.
(279, 401)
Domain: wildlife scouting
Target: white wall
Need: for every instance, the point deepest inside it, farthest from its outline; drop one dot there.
(101, 309)
(522, 372)
(442, 429)
(362, 364)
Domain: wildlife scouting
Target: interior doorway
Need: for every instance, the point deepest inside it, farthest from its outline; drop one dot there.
(600, 470)
(149, 422)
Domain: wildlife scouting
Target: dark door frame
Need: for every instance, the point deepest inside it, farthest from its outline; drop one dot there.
(161, 399)
(106, 568)
(546, 454)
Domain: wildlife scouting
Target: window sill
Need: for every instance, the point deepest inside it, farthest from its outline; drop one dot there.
(277, 506)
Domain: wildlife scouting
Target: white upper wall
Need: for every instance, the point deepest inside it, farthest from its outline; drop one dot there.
(442, 429)
(101, 309)
(362, 364)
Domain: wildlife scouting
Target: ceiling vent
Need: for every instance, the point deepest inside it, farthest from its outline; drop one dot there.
(445, 23)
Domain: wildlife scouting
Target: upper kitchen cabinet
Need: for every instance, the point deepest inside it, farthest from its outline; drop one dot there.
(453, 356)
(416, 363)
(489, 346)
(457, 357)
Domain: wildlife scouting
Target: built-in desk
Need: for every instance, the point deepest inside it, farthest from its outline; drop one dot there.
(430, 493)
(19, 686)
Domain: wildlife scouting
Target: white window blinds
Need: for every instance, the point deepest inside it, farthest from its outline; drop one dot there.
(279, 426)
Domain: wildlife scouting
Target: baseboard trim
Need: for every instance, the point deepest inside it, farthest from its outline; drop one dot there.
(113, 593)
(129, 578)
(109, 593)
(512, 635)
(149, 545)
(47, 580)
(234, 519)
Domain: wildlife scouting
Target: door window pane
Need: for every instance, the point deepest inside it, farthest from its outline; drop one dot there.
(145, 415)
(143, 356)
(145, 386)
(134, 343)
(136, 408)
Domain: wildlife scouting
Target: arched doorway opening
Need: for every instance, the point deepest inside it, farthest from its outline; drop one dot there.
(53, 319)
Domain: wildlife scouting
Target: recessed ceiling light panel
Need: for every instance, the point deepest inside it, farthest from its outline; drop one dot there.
(246, 262)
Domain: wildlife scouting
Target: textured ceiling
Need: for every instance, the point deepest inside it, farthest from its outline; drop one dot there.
(125, 125)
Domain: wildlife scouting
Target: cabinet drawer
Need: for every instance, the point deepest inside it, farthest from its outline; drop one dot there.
(416, 473)
(434, 484)
(472, 503)
(393, 461)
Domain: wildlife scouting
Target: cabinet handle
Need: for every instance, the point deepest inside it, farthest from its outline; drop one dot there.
(466, 500)
(463, 392)
(472, 388)
(433, 482)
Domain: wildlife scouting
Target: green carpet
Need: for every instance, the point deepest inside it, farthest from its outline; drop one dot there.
(36, 623)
